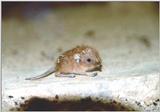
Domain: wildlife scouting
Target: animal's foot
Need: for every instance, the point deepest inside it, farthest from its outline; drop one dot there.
(94, 74)
(71, 75)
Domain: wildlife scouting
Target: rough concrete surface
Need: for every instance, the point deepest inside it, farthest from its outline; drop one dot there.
(125, 34)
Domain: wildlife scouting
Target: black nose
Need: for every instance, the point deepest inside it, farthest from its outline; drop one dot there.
(100, 67)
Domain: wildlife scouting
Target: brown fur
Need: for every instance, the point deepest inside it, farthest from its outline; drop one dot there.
(79, 60)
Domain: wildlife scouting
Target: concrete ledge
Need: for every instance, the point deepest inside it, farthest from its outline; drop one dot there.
(139, 92)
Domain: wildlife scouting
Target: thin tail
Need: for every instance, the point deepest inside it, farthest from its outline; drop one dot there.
(45, 74)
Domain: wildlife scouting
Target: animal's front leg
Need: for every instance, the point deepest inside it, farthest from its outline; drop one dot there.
(91, 74)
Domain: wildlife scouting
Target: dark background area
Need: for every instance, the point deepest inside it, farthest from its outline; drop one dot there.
(21, 9)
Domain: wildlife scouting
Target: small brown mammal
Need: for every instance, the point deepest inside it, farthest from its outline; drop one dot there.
(81, 60)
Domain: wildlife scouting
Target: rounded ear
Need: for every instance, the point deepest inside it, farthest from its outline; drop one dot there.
(77, 57)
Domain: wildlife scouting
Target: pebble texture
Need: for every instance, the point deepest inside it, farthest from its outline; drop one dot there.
(126, 35)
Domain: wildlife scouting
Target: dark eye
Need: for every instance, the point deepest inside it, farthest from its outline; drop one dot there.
(89, 60)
